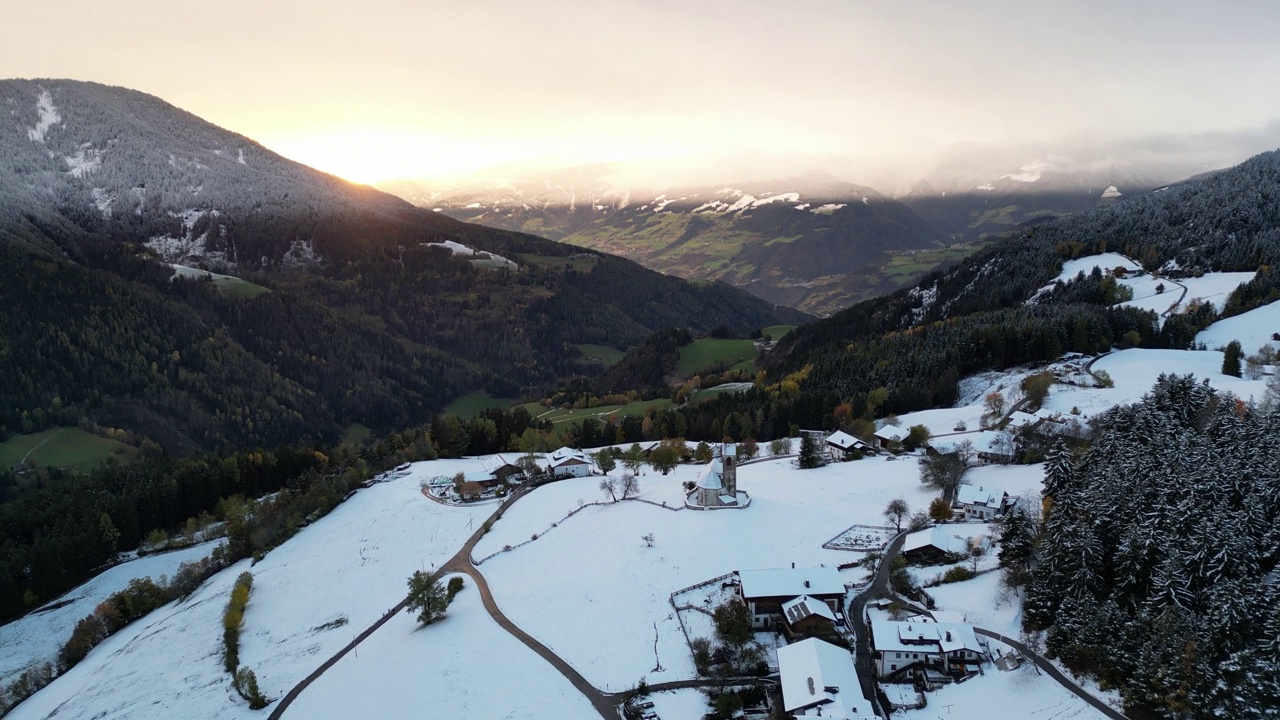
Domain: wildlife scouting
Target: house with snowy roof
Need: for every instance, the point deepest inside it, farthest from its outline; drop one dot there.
(818, 679)
(933, 546)
(806, 617)
(945, 647)
(890, 435)
(842, 446)
(766, 591)
(979, 503)
(568, 462)
(994, 446)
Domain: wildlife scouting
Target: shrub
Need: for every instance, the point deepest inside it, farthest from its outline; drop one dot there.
(455, 587)
(246, 683)
(233, 620)
(701, 648)
(958, 573)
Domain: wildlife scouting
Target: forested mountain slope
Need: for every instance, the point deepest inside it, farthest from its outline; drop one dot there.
(375, 314)
(917, 343)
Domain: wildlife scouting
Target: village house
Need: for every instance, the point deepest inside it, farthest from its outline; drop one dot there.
(818, 679)
(947, 647)
(933, 546)
(842, 446)
(805, 617)
(766, 591)
(994, 446)
(568, 462)
(890, 436)
(978, 503)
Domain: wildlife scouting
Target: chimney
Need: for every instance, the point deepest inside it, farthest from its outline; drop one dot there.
(806, 584)
(948, 636)
(793, 566)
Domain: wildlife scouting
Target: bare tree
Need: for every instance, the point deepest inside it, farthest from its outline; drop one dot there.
(628, 485)
(648, 539)
(610, 486)
(947, 471)
(896, 512)
(977, 551)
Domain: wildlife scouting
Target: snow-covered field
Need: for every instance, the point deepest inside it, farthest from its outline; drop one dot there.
(35, 638)
(351, 564)
(1253, 329)
(1215, 287)
(595, 570)
(465, 666)
(1134, 373)
(1015, 695)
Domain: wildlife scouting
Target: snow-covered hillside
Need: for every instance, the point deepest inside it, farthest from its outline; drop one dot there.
(35, 638)
(310, 597)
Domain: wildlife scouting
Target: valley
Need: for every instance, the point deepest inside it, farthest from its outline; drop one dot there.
(662, 416)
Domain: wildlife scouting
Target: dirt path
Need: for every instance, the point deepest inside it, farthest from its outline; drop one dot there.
(23, 461)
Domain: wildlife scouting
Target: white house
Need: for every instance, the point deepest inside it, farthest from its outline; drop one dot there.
(890, 434)
(819, 680)
(979, 503)
(568, 462)
(948, 647)
(766, 591)
(841, 444)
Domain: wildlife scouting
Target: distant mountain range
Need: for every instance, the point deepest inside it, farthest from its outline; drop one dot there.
(343, 305)
(814, 242)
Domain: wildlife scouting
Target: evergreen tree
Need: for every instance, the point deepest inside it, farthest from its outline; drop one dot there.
(810, 452)
(1231, 358)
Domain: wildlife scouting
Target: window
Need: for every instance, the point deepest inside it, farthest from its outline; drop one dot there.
(892, 668)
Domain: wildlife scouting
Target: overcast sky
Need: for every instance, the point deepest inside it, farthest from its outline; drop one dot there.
(397, 88)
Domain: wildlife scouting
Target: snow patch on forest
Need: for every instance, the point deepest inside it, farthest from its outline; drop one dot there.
(186, 247)
(85, 161)
(48, 117)
(102, 201)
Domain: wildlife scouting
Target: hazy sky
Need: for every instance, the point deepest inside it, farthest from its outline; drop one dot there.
(396, 88)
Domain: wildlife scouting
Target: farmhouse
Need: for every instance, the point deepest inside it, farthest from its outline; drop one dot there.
(841, 445)
(978, 503)
(818, 680)
(805, 617)
(933, 546)
(890, 435)
(946, 647)
(766, 591)
(568, 462)
(994, 446)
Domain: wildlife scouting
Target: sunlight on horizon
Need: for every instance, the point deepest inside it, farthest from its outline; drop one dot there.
(374, 155)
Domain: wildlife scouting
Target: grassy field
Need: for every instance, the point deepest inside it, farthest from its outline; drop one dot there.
(356, 434)
(777, 332)
(474, 403)
(582, 263)
(237, 288)
(602, 354)
(706, 353)
(604, 412)
(63, 448)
